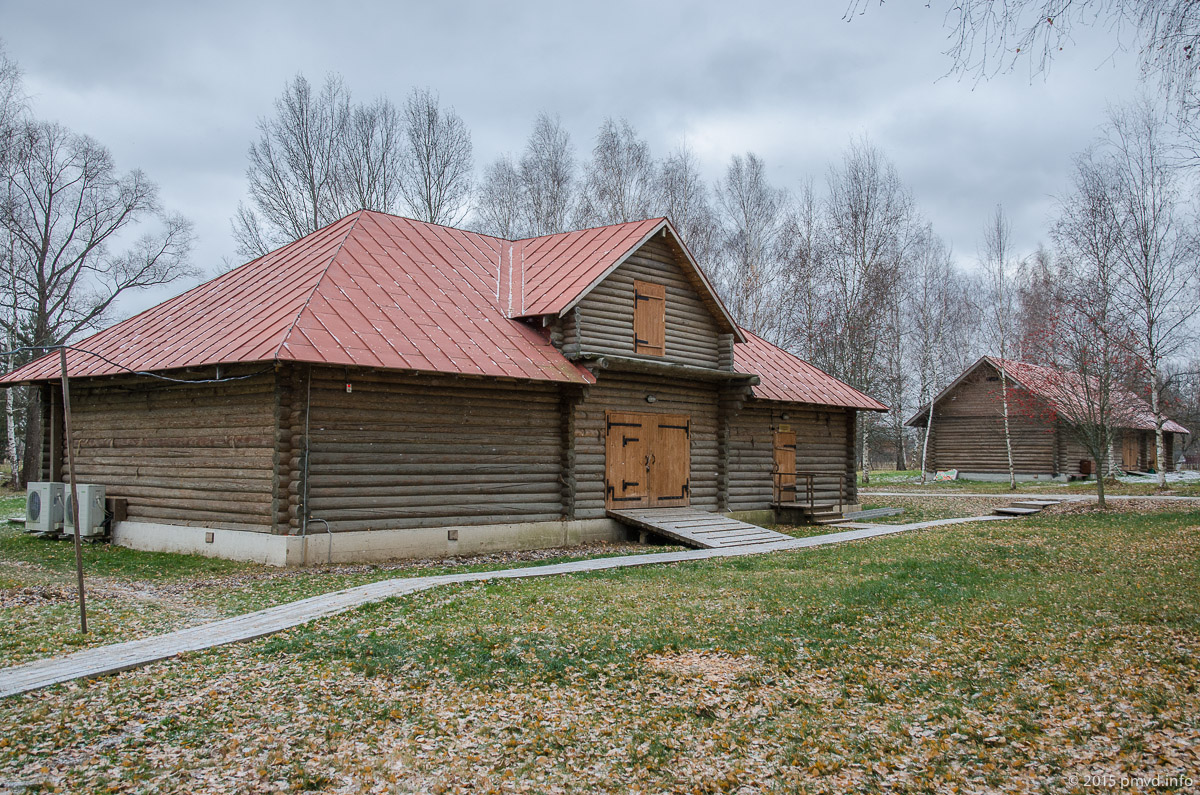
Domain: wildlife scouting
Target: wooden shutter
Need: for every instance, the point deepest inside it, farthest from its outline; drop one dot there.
(649, 318)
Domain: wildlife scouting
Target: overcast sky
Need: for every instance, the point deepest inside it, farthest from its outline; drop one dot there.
(175, 89)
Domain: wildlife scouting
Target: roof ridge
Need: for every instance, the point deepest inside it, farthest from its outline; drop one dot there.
(317, 283)
(655, 218)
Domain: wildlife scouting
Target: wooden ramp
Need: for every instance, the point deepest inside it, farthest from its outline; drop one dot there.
(699, 529)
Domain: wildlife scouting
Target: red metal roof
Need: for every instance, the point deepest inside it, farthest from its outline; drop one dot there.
(556, 271)
(559, 268)
(370, 290)
(1060, 389)
(376, 290)
(788, 378)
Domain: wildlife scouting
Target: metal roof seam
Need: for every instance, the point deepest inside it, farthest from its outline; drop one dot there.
(317, 283)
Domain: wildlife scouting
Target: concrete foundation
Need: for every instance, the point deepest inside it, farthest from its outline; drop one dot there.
(319, 547)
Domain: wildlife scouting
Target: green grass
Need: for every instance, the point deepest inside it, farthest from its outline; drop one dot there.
(133, 594)
(1006, 656)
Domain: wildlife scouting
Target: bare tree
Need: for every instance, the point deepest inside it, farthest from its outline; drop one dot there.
(683, 197)
(998, 265)
(619, 181)
(547, 171)
(295, 167)
(1035, 286)
(1085, 335)
(12, 112)
(754, 215)
(804, 271)
(371, 158)
(438, 161)
(66, 208)
(499, 209)
(868, 217)
(1156, 250)
(988, 37)
(938, 316)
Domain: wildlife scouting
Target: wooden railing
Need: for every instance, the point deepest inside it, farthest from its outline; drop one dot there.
(785, 492)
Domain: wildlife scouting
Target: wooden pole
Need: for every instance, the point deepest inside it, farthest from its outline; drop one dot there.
(66, 390)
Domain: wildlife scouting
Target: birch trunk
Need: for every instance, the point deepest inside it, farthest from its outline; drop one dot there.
(866, 452)
(10, 427)
(1012, 475)
(925, 444)
(1160, 469)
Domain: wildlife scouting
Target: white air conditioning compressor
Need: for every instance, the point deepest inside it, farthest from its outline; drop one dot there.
(44, 507)
(91, 510)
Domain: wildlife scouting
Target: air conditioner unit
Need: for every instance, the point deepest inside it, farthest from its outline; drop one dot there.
(43, 507)
(91, 510)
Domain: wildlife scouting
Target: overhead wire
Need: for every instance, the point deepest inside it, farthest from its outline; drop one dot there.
(46, 349)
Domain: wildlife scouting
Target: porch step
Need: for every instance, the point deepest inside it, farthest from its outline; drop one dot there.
(1035, 504)
(698, 529)
(1009, 510)
(1025, 507)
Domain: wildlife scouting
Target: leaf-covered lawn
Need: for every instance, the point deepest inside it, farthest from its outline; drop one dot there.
(133, 594)
(1001, 657)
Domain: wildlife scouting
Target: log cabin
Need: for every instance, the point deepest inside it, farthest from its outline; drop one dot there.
(968, 426)
(387, 388)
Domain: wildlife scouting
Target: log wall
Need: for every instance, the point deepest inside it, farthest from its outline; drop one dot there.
(407, 451)
(604, 319)
(968, 430)
(824, 443)
(627, 392)
(179, 454)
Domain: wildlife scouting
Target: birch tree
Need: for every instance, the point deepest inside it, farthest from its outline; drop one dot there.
(1085, 339)
(682, 195)
(754, 218)
(619, 180)
(936, 317)
(868, 222)
(1156, 250)
(548, 182)
(998, 265)
(437, 161)
(295, 167)
(12, 112)
(500, 201)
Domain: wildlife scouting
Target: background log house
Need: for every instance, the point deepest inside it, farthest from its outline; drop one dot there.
(968, 427)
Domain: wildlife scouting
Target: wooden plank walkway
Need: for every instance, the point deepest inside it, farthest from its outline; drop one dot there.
(111, 659)
(696, 528)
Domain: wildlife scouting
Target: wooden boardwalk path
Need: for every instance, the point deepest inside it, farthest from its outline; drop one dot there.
(696, 528)
(110, 659)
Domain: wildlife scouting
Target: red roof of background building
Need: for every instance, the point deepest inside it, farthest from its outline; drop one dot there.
(788, 378)
(1059, 389)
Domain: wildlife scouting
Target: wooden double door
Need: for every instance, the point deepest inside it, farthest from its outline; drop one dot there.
(647, 461)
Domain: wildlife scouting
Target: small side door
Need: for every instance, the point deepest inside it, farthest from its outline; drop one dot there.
(784, 469)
